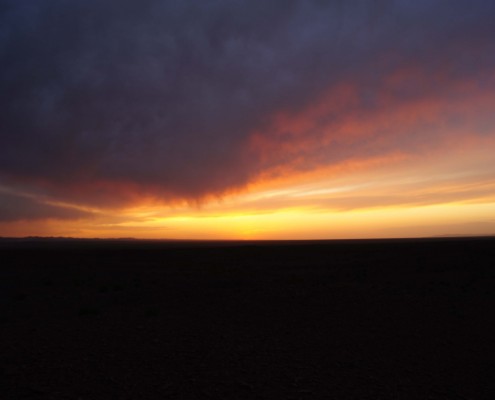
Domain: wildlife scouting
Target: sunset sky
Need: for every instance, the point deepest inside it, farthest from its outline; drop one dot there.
(246, 119)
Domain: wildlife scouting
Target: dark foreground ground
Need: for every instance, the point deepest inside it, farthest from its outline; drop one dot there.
(320, 320)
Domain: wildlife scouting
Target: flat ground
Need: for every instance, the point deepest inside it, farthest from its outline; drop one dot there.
(407, 319)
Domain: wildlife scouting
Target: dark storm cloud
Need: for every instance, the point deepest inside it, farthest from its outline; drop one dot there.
(103, 98)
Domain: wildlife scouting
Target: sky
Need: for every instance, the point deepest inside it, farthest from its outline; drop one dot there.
(247, 119)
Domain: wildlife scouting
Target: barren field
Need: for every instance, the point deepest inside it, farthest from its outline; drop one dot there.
(396, 319)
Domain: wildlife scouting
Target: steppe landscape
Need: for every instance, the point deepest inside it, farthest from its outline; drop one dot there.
(125, 319)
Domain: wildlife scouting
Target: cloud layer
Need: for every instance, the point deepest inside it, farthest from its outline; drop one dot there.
(103, 102)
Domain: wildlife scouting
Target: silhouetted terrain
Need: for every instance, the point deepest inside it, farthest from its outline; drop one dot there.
(396, 319)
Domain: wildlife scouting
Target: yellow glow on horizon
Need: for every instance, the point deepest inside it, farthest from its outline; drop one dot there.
(324, 224)
(289, 223)
(431, 196)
